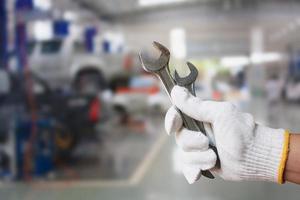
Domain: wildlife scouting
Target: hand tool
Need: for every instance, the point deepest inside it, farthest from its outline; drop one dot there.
(160, 67)
(188, 82)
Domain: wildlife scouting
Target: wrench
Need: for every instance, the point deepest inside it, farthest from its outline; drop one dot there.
(188, 83)
(160, 67)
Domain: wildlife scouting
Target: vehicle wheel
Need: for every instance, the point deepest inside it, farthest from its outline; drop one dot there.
(90, 82)
(65, 141)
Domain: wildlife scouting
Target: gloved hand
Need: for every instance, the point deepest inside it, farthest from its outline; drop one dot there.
(247, 151)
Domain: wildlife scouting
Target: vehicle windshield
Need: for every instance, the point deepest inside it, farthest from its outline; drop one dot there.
(142, 82)
(51, 46)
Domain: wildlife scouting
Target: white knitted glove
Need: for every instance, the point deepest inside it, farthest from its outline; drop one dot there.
(247, 151)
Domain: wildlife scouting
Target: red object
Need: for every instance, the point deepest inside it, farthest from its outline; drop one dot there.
(95, 109)
(217, 95)
(145, 90)
(128, 63)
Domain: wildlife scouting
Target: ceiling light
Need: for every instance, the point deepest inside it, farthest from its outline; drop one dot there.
(145, 3)
(258, 58)
(235, 61)
(43, 4)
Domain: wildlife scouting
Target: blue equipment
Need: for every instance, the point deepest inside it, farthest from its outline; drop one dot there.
(41, 160)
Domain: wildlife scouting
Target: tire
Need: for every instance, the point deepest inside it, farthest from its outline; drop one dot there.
(90, 82)
(65, 141)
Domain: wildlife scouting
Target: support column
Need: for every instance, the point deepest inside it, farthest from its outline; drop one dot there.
(256, 75)
(3, 34)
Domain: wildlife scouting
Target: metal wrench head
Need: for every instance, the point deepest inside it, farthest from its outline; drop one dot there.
(188, 80)
(151, 65)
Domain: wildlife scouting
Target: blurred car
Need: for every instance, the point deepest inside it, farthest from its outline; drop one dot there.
(144, 93)
(76, 115)
(64, 62)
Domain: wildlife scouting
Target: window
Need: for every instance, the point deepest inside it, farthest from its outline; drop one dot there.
(51, 46)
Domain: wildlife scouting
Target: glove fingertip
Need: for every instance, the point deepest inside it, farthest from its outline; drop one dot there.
(173, 121)
(211, 160)
(191, 174)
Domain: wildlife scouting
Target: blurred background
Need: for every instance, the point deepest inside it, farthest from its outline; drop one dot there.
(80, 119)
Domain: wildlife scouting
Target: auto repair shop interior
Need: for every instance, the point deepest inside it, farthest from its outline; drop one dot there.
(81, 119)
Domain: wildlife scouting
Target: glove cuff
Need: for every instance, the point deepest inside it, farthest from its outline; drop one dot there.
(265, 158)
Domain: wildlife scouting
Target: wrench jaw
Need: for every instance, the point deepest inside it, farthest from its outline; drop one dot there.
(151, 65)
(164, 50)
(188, 80)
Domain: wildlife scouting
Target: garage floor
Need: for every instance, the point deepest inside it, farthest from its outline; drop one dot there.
(142, 165)
(114, 153)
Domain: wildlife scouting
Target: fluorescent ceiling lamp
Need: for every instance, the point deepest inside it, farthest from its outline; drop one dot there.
(258, 58)
(43, 4)
(235, 61)
(42, 30)
(145, 3)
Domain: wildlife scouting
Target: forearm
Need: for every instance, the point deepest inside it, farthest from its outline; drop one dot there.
(292, 168)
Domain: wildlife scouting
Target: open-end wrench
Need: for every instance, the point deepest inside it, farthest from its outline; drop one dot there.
(188, 82)
(160, 67)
